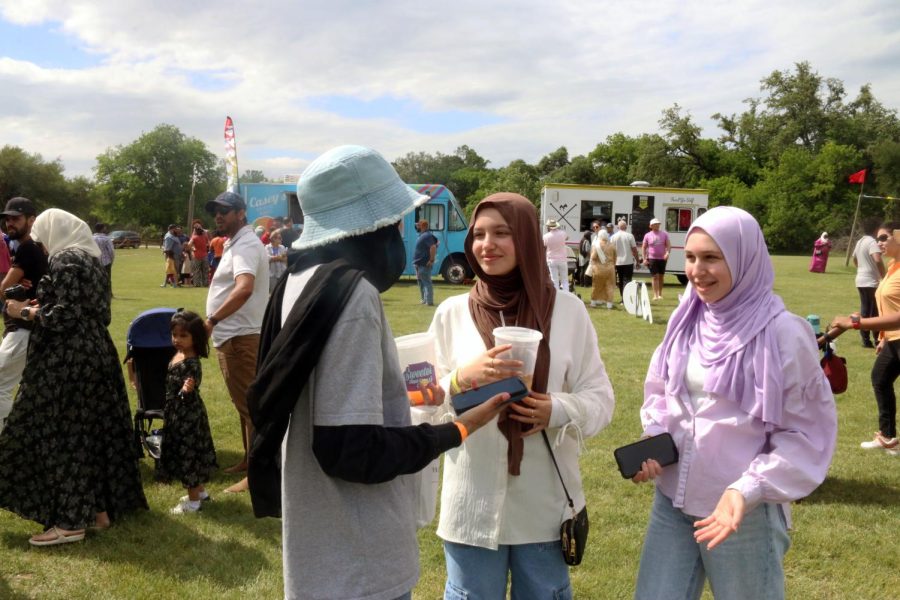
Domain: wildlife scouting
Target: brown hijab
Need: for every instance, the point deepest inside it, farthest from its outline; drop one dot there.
(525, 296)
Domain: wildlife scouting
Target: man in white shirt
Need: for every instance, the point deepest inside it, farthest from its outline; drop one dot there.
(235, 306)
(557, 260)
(626, 255)
(869, 271)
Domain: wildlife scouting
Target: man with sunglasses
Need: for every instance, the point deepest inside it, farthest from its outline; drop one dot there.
(869, 272)
(235, 306)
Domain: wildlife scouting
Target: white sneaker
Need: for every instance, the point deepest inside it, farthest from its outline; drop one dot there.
(879, 442)
(185, 507)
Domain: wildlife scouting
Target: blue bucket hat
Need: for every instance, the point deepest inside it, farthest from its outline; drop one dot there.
(350, 190)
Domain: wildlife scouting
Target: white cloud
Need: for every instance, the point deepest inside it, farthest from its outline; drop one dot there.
(567, 73)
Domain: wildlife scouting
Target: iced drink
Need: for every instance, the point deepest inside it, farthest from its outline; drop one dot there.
(525, 344)
(417, 361)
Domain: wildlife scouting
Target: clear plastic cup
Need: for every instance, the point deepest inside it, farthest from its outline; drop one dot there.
(525, 344)
(417, 361)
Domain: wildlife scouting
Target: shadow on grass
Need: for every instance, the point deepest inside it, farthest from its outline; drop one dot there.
(9, 593)
(229, 510)
(234, 510)
(837, 490)
(161, 545)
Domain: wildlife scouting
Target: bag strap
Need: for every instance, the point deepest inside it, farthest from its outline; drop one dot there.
(558, 472)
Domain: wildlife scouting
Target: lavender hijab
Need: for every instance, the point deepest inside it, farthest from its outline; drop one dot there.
(733, 337)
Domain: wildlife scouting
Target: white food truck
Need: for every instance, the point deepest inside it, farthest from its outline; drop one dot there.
(575, 207)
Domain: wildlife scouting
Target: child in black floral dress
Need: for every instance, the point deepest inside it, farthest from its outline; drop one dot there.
(187, 451)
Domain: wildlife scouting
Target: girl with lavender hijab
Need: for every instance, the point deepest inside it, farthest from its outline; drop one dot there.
(736, 382)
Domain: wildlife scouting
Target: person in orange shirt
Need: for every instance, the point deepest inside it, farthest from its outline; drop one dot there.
(217, 245)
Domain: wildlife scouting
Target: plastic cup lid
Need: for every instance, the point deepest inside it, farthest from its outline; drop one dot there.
(414, 340)
(520, 335)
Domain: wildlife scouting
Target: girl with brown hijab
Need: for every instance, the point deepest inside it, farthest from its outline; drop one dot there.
(502, 502)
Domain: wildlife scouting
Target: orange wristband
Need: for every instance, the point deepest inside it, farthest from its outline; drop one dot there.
(463, 432)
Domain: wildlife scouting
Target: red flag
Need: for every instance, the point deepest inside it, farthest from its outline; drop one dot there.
(858, 177)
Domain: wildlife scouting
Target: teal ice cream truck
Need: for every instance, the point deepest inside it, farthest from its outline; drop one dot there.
(265, 201)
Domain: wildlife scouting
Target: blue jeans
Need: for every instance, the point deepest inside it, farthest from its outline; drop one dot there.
(426, 290)
(538, 572)
(747, 565)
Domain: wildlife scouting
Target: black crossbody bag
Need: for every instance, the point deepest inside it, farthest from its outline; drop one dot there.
(574, 531)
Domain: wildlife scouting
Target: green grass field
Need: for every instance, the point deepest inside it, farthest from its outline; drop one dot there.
(842, 538)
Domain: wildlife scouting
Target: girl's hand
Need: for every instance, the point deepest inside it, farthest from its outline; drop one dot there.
(433, 394)
(723, 522)
(487, 368)
(534, 409)
(650, 470)
(188, 386)
(879, 347)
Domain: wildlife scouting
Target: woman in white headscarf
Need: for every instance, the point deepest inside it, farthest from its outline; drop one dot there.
(603, 271)
(68, 459)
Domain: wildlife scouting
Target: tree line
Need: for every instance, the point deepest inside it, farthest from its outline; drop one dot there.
(785, 158)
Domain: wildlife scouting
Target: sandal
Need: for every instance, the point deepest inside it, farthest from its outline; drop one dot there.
(60, 537)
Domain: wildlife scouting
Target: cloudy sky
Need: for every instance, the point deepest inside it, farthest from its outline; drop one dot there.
(510, 79)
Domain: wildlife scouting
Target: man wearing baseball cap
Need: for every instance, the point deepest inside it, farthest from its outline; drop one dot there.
(557, 258)
(235, 306)
(28, 266)
(655, 249)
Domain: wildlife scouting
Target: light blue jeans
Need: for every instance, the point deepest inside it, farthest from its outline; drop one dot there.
(747, 565)
(538, 572)
(426, 289)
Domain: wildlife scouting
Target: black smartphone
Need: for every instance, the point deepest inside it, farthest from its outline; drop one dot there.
(660, 448)
(514, 386)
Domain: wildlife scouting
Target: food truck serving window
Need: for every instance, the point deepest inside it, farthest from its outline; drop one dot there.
(433, 213)
(678, 219)
(457, 222)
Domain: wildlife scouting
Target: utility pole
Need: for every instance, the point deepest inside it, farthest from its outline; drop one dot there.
(190, 219)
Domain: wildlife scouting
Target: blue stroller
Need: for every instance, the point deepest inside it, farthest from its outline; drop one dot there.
(149, 350)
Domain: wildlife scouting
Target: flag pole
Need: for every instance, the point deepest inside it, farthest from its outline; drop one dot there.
(855, 219)
(191, 199)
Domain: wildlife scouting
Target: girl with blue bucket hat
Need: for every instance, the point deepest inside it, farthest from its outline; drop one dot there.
(335, 455)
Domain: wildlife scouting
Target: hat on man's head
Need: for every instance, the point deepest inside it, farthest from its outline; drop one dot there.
(19, 206)
(655, 221)
(228, 199)
(552, 224)
(173, 226)
(348, 191)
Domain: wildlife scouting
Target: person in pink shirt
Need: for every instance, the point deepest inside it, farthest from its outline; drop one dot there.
(736, 382)
(655, 249)
(557, 260)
